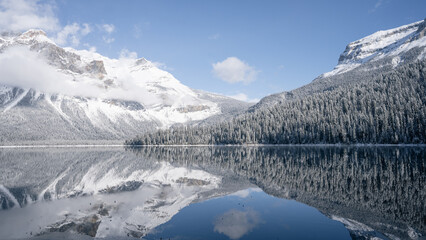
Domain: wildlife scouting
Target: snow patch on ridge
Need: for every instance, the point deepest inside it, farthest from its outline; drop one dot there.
(341, 68)
(379, 45)
(16, 100)
(367, 46)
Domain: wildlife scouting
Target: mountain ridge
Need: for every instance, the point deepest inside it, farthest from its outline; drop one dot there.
(67, 95)
(374, 54)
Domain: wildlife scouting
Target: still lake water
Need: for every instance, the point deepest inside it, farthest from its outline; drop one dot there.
(213, 193)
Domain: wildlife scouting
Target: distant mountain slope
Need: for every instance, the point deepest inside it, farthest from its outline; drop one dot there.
(230, 107)
(372, 98)
(364, 59)
(50, 94)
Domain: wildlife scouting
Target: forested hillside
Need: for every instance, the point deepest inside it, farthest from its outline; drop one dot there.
(389, 108)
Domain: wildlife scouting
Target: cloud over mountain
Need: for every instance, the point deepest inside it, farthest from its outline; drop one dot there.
(21, 15)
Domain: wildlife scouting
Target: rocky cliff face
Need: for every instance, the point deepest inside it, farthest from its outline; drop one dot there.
(364, 59)
(381, 43)
(50, 94)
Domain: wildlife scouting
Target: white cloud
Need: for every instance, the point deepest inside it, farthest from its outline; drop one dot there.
(72, 33)
(137, 31)
(86, 29)
(236, 224)
(68, 32)
(126, 54)
(108, 40)
(246, 192)
(21, 15)
(40, 75)
(90, 48)
(162, 66)
(244, 97)
(376, 6)
(109, 28)
(234, 70)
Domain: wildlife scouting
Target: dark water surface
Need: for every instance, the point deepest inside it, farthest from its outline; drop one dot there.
(213, 193)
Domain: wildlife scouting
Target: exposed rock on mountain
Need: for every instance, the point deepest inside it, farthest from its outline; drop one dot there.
(50, 94)
(364, 59)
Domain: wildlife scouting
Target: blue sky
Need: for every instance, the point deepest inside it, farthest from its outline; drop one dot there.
(246, 48)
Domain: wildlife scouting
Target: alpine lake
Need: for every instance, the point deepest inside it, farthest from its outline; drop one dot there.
(222, 192)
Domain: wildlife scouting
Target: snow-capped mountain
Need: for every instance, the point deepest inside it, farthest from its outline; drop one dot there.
(382, 44)
(364, 59)
(49, 93)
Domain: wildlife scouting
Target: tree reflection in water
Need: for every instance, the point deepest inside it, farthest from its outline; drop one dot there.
(382, 187)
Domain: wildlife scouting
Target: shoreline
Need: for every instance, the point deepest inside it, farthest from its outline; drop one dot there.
(283, 145)
(207, 145)
(61, 146)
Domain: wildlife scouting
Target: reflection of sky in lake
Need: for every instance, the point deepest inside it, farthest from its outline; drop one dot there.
(250, 214)
(235, 223)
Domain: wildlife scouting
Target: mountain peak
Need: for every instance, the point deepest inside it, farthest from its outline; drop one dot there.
(34, 35)
(34, 32)
(365, 48)
(377, 53)
(422, 28)
(141, 61)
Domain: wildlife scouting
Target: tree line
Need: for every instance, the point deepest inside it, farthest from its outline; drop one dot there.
(371, 185)
(387, 109)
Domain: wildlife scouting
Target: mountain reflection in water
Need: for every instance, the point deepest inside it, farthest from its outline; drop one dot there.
(373, 191)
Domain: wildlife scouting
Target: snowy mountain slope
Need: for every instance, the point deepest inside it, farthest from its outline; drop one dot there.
(229, 107)
(382, 44)
(364, 59)
(54, 94)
